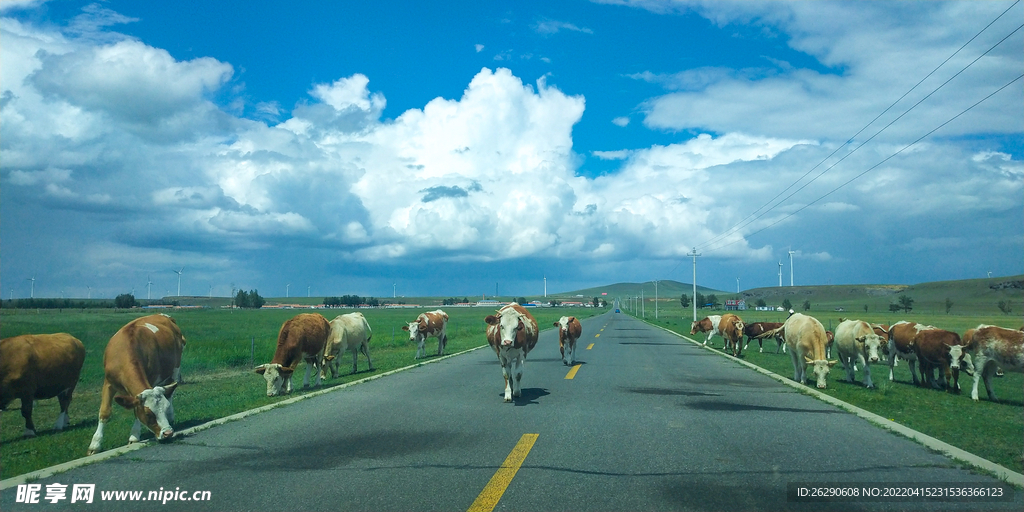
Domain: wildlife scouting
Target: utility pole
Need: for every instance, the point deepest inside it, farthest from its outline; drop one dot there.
(643, 310)
(737, 285)
(545, 287)
(694, 254)
(655, 300)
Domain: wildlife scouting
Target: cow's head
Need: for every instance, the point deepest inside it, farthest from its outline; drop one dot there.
(820, 370)
(278, 378)
(694, 327)
(956, 356)
(153, 408)
(872, 344)
(509, 324)
(563, 326)
(414, 329)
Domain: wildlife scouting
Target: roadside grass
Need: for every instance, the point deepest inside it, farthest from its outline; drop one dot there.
(216, 369)
(992, 430)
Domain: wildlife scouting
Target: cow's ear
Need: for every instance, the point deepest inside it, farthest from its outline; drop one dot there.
(405, 328)
(128, 402)
(521, 325)
(862, 339)
(491, 319)
(260, 369)
(555, 324)
(286, 372)
(572, 319)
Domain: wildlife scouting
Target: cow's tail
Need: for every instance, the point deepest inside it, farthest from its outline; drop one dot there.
(770, 333)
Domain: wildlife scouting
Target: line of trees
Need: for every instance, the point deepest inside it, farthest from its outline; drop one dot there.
(351, 301)
(249, 299)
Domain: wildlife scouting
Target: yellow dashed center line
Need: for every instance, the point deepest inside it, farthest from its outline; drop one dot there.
(598, 335)
(590, 346)
(572, 372)
(489, 497)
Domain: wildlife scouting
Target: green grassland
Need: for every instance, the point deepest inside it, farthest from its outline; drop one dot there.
(952, 418)
(216, 367)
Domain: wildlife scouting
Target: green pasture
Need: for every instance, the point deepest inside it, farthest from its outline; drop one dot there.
(216, 368)
(994, 431)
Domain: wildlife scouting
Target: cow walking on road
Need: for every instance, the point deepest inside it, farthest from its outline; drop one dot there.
(512, 334)
(569, 330)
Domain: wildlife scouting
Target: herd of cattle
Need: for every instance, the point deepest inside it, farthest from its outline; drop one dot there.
(981, 352)
(142, 361)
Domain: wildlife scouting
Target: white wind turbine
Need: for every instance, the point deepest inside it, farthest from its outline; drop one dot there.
(149, 287)
(179, 278)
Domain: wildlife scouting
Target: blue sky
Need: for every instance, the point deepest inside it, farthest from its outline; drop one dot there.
(349, 147)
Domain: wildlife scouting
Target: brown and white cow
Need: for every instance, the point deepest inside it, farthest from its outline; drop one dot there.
(428, 325)
(708, 324)
(941, 350)
(512, 333)
(37, 367)
(991, 347)
(569, 330)
(857, 343)
(349, 333)
(752, 331)
(731, 329)
(805, 337)
(301, 337)
(139, 365)
(901, 345)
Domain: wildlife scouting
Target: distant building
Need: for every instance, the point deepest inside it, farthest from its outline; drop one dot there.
(735, 305)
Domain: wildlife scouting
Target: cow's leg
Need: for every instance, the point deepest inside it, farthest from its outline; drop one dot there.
(366, 351)
(987, 373)
(106, 397)
(136, 433)
(518, 365)
(797, 367)
(442, 341)
(867, 376)
(64, 398)
(419, 348)
(26, 412)
(912, 364)
(287, 387)
(505, 372)
(848, 366)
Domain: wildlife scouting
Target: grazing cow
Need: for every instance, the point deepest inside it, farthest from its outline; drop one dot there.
(752, 331)
(512, 333)
(427, 325)
(990, 347)
(569, 330)
(731, 329)
(805, 337)
(942, 350)
(901, 344)
(349, 333)
(708, 324)
(37, 367)
(301, 337)
(139, 365)
(857, 343)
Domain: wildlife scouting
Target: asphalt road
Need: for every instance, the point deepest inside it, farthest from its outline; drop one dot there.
(648, 422)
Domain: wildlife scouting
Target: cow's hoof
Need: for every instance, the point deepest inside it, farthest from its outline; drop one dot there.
(508, 399)
(29, 433)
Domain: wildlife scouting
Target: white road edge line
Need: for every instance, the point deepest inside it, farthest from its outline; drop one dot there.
(949, 450)
(115, 452)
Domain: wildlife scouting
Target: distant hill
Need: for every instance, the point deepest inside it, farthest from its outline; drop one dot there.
(666, 288)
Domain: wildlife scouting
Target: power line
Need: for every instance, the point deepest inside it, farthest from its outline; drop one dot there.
(755, 216)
